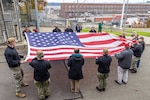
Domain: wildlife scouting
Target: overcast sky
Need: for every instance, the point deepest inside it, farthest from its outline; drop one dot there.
(96, 1)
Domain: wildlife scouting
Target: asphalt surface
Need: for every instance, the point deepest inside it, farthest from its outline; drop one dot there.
(137, 88)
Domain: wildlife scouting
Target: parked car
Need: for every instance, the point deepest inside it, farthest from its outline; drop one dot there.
(131, 21)
(115, 23)
(135, 21)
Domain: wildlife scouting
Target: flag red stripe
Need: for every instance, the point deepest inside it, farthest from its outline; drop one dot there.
(62, 58)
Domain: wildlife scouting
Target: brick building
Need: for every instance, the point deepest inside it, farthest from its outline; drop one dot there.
(70, 9)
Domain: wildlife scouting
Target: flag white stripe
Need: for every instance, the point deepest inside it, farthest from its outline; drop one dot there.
(113, 44)
(96, 38)
(81, 50)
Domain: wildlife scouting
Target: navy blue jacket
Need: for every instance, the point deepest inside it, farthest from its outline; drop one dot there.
(137, 50)
(23, 33)
(68, 30)
(12, 57)
(125, 58)
(104, 63)
(92, 31)
(75, 62)
(56, 30)
(41, 69)
(78, 28)
(143, 46)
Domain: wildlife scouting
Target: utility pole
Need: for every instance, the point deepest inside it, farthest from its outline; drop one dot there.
(126, 11)
(18, 19)
(37, 15)
(122, 15)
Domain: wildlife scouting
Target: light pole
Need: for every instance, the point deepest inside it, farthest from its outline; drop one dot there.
(37, 15)
(122, 15)
(126, 11)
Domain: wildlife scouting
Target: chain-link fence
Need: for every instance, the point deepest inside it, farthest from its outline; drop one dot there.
(52, 22)
(9, 25)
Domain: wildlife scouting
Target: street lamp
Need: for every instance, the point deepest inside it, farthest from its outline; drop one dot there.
(122, 15)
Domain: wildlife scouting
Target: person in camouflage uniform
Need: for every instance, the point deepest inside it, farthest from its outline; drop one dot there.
(103, 63)
(14, 62)
(41, 75)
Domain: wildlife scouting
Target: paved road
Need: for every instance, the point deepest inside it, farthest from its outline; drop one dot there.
(137, 88)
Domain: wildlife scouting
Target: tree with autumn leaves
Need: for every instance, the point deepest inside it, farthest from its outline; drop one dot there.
(29, 4)
(41, 4)
(26, 5)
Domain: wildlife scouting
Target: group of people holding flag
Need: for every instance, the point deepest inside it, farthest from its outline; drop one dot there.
(127, 60)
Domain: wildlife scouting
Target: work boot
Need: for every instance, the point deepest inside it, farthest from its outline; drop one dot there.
(21, 95)
(24, 84)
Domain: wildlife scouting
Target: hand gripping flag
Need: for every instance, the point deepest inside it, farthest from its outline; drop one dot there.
(59, 46)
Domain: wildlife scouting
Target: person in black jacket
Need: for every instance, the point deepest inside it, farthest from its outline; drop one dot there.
(75, 62)
(143, 48)
(78, 28)
(56, 29)
(137, 50)
(92, 30)
(124, 64)
(41, 75)
(26, 30)
(14, 62)
(103, 63)
(123, 35)
(68, 29)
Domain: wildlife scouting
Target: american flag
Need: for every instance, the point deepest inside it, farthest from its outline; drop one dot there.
(59, 46)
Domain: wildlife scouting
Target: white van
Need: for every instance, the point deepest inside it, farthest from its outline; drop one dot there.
(131, 21)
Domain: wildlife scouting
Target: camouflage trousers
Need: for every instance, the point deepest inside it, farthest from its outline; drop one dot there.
(102, 80)
(18, 76)
(43, 88)
(134, 62)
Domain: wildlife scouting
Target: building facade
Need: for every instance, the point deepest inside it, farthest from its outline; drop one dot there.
(70, 10)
